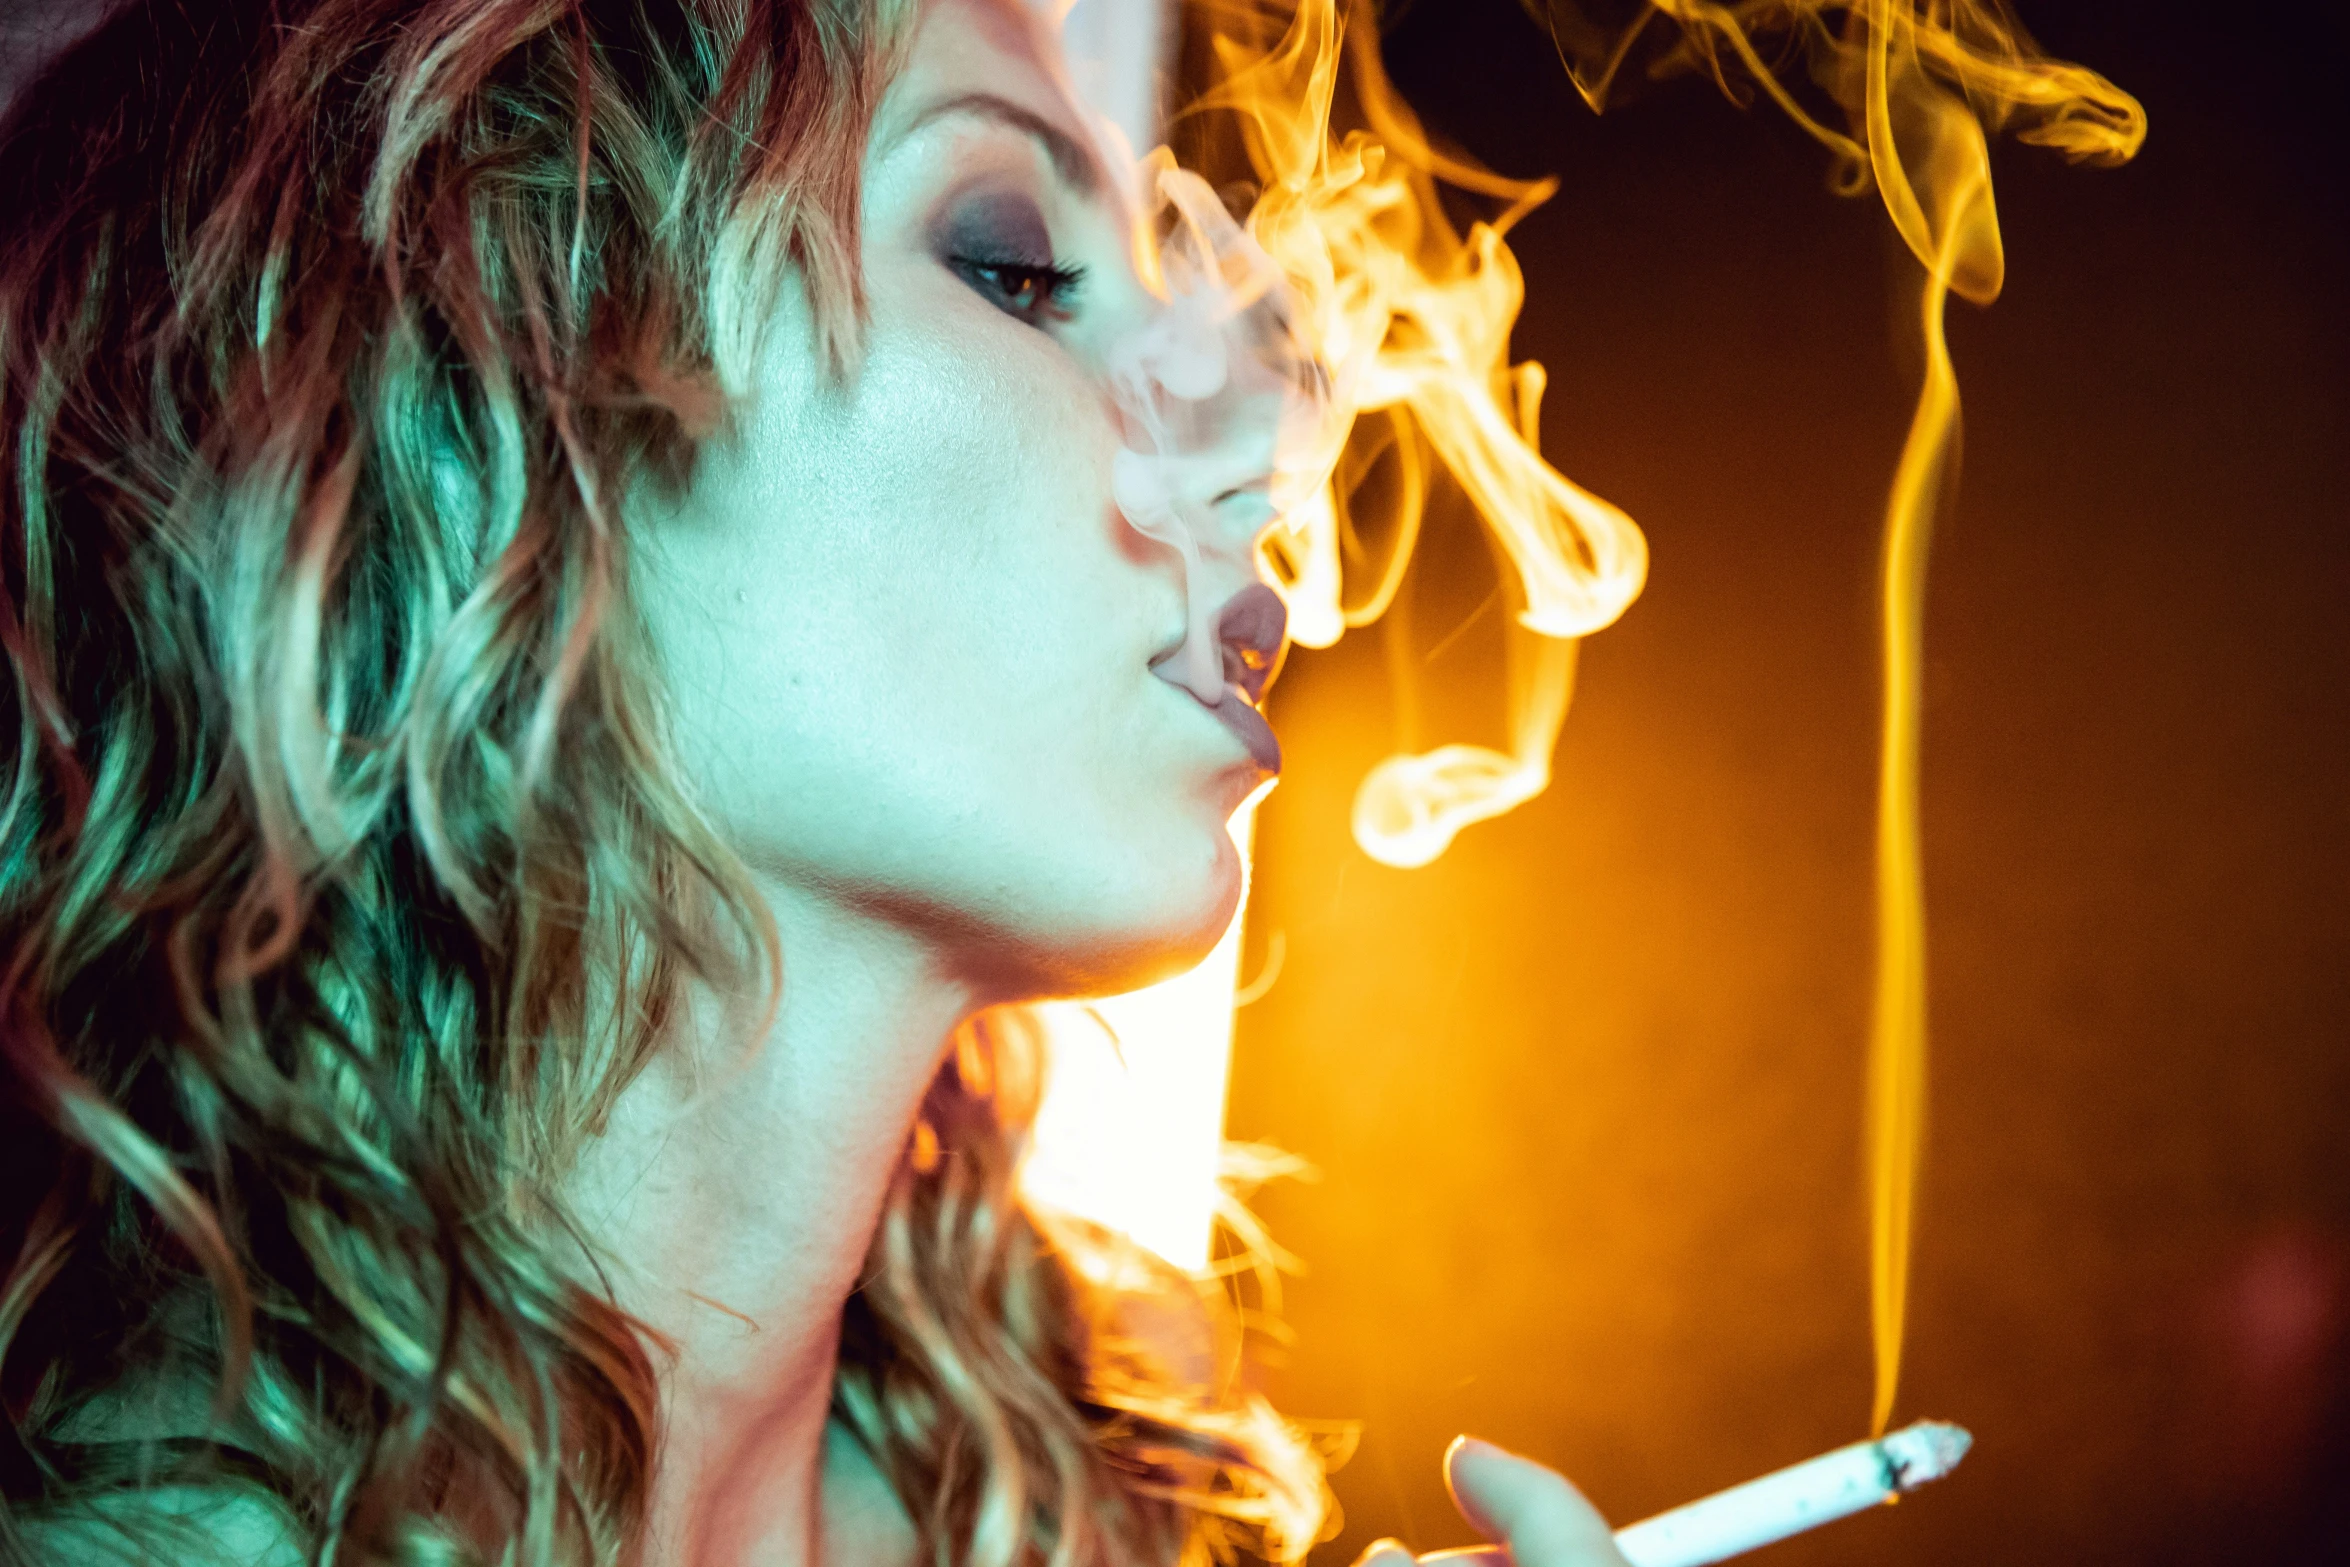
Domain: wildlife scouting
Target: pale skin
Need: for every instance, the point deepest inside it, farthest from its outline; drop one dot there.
(911, 645)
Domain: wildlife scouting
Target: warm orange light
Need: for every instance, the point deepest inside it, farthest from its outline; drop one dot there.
(1131, 1131)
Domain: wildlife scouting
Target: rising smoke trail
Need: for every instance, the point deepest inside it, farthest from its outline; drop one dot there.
(1920, 85)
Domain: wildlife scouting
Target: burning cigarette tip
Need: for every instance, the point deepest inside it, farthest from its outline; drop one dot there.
(1926, 1451)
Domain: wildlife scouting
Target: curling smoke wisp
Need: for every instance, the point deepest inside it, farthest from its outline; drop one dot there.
(1342, 321)
(1410, 319)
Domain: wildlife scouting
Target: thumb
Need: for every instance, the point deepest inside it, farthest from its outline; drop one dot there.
(1533, 1511)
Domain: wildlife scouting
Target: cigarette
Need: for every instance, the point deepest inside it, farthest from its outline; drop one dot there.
(1804, 1496)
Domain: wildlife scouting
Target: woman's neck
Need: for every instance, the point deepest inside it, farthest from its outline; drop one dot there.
(733, 1196)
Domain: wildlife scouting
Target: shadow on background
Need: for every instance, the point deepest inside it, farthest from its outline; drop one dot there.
(1586, 1092)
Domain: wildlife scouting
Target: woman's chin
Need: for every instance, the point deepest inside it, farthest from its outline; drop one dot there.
(1186, 952)
(1157, 939)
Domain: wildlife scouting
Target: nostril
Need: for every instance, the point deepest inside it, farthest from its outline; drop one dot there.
(1257, 493)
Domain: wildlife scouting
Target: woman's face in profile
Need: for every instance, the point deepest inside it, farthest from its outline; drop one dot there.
(911, 638)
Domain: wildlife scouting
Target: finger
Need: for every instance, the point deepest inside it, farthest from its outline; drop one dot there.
(1385, 1553)
(1532, 1511)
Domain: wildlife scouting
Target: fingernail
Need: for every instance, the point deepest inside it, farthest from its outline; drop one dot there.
(1468, 1471)
(1477, 1447)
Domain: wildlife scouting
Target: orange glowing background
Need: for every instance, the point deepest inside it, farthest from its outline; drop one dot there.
(1410, 312)
(1586, 1091)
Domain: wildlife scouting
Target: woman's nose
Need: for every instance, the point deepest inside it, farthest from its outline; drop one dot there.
(1210, 395)
(1211, 508)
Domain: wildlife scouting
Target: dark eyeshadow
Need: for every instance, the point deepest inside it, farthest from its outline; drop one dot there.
(994, 225)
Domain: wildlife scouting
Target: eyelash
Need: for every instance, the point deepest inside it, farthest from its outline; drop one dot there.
(1048, 287)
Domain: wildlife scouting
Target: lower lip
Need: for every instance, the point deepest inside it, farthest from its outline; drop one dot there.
(1250, 726)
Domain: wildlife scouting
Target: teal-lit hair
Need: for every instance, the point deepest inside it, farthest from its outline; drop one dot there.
(346, 874)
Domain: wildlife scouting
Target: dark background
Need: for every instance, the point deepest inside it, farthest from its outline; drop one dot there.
(1586, 1093)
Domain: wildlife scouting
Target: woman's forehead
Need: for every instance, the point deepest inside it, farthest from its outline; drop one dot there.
(997, 44)
(996, 58)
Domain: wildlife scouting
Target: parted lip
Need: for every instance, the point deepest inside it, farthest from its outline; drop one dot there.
(1251, 632)
(1253, 629)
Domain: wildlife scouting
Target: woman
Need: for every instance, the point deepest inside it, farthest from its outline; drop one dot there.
(573, 662)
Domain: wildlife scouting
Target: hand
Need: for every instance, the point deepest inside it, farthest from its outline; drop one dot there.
(1531, 1514)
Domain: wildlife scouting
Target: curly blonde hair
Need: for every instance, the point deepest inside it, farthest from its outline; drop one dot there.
(346, 872)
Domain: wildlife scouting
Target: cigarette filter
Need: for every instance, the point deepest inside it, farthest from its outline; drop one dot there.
(1802, 1497)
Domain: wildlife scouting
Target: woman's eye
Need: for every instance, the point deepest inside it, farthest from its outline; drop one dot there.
(1036, 292)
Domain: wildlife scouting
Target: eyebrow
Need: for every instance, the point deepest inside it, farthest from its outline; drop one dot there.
(1076, 163)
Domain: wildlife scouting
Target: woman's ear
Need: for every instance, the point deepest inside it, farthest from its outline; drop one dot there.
(34, 32)
(758, 307)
